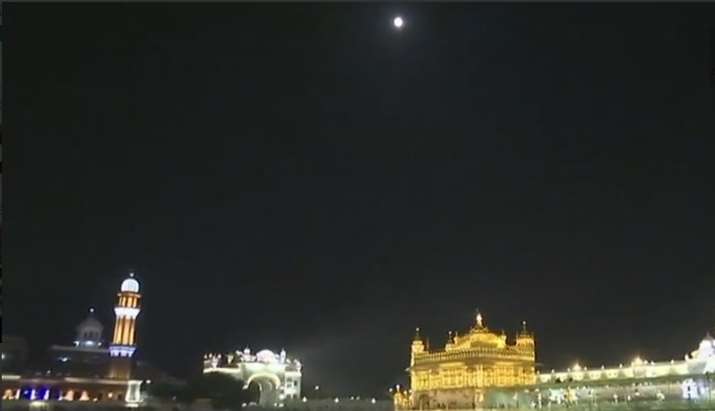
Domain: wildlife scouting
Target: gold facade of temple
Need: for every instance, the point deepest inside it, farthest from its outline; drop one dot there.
(457, 375)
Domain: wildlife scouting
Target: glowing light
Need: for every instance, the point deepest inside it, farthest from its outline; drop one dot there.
(373, 401)
(126, 312)
(121, 350)
(305, 399)
(337, 400)
(690, 389)
(398, 22)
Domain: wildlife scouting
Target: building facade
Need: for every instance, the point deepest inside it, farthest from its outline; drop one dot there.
(689, 379)
(458, 375)
(673, 384)
(277, 376)
(89, 369)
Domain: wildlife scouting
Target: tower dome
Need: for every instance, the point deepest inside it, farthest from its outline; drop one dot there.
(130, 284)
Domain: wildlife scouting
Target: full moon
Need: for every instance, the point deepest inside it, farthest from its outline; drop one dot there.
(398, 22)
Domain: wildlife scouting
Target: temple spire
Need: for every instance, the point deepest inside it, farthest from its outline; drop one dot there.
(417, 345)
(479, 319)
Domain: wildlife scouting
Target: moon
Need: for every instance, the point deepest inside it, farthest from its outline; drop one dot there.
(398, 22)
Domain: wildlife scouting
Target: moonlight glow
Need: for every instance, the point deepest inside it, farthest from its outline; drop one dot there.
(398, 22)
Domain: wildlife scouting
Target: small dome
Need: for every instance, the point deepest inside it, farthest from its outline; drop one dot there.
(130, 284)
(89, 331)
(266, 356)
(90, 323)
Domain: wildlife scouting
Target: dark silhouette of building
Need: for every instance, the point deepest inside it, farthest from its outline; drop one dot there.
(14, 354)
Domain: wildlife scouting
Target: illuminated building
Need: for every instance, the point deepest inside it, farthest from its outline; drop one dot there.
(277, 376)
(689, 379)
(87, 370)
(495, 374)
(458, 375)
(700, 361)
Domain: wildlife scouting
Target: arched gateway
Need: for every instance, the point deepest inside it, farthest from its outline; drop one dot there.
(277, 377)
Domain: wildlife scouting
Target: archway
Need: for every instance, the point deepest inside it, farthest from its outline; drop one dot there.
(267, 388)
(252, 393)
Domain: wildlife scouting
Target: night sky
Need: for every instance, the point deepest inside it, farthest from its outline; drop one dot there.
(308, 177)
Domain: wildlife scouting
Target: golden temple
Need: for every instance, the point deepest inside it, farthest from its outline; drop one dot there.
(456, 376)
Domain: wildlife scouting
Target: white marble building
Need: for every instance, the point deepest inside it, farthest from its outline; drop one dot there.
(698, 362)
(278, 377)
